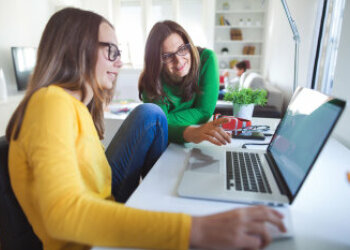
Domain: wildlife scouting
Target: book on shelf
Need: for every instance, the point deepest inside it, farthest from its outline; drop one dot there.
(223, 21)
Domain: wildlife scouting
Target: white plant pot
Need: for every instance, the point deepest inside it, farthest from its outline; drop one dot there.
(244, 111)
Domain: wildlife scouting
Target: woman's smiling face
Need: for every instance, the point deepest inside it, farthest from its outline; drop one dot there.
(178, 62)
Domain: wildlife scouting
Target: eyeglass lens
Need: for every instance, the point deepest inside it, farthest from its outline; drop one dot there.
(113, 52)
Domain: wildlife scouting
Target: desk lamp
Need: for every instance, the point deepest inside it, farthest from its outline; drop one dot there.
(296, 38)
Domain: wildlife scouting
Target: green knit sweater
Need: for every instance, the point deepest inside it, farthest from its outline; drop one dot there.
(197, 110)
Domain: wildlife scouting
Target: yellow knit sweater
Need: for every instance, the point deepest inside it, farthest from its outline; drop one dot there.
(62, 180)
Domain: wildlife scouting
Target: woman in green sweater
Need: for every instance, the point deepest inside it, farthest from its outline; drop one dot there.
(184, 81)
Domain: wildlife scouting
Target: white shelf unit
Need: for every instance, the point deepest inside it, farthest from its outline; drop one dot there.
(248, 16)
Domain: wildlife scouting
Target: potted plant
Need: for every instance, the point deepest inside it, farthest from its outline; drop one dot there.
(244, 100)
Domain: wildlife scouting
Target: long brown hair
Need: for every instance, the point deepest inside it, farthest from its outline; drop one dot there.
(66, 57)
(150, 78)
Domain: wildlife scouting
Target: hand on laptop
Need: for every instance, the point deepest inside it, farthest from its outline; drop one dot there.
(238, 228)
(210, 131)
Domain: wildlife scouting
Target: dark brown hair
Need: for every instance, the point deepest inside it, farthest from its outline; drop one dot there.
(242, 65)
(150, 78)
(66, 57)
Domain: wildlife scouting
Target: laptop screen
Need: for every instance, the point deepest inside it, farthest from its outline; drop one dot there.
(301, 134)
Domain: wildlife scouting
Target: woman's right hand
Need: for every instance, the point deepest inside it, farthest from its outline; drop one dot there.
(238, 228)
(210, 131)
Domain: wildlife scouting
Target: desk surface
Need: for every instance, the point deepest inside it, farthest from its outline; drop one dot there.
(320, 213)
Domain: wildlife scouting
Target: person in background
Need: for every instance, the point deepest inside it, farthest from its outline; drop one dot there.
(184, 81)
(60, 173)
(240, 69)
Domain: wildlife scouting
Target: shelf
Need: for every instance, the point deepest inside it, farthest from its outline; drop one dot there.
(233, 70)
(238, 27)
(238, 41)
(239, 11)
(239, 56)
(248, 18)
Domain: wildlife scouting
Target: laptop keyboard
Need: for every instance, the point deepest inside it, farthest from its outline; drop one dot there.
(245, 172)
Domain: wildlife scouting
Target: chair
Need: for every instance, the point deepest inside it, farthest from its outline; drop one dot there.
(15, 231)
(255, 81)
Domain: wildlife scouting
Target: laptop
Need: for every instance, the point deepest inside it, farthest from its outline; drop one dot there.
(273, 176)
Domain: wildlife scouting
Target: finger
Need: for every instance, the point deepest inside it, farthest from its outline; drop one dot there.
(217, 136)
(260, 229)
(220, 121)
(224, 134)
(212, 140)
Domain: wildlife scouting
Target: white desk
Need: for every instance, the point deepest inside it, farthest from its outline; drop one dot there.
(320, 214)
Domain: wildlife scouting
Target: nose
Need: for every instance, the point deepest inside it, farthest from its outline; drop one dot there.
(178, 59)
(118, 62)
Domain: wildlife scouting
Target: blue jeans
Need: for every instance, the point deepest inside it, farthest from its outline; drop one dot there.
(137, 145)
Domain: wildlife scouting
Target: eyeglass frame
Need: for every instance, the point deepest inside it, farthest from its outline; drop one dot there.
(110, 45)
(171, 56)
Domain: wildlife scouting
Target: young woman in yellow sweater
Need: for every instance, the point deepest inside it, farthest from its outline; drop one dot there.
(60, 173)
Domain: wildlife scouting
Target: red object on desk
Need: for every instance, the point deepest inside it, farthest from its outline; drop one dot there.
(234, 123)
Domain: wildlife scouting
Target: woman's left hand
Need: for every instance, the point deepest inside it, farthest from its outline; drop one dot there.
(210, 131)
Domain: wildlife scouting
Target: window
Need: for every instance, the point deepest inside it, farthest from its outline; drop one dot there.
(135, 18)
(328, 45)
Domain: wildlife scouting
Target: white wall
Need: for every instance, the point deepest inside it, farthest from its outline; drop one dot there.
(21, 24)
(341, 87)
(278, 65)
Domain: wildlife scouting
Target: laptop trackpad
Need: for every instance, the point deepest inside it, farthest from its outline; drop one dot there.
(202, 161)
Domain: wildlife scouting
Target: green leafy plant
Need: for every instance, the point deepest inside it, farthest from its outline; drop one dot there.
(246, 96)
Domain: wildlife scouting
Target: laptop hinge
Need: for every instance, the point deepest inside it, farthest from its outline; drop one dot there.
(279, 179)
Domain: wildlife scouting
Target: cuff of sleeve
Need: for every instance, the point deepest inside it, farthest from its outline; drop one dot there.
(176, 134)
(185, 232)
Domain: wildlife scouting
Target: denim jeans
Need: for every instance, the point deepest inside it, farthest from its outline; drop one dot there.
(137, 145)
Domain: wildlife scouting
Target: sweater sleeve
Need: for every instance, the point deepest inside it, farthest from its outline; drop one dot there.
(70, 211)
(204, 103)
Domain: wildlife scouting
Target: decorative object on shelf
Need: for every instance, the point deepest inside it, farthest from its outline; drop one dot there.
(223, 65)
(241, 23)
(236, 34)
(3, 89)
(233, 63)
(224, 51)
(223, 21)
(226, 6)
(248, 50)
(249, 22)
(244, 100)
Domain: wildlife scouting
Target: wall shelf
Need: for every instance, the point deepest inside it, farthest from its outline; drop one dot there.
(244, 19)
(238, 41)
(238, 27)
(239, 11)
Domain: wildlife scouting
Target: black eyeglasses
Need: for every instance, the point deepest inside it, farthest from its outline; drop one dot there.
(113, 51)
(182, 51)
